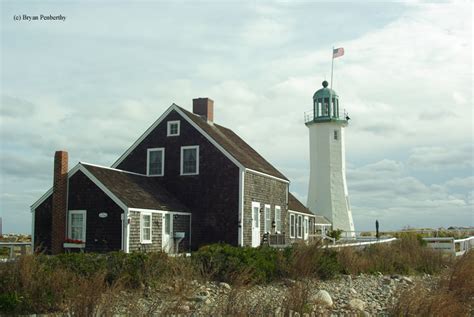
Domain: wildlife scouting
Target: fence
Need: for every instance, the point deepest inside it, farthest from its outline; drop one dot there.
(24, 247)
(451, 245)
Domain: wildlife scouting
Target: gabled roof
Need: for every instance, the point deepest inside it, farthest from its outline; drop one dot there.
(321, 220)
(135, 190)
(127, 189)
(295, 205)
(236, 149)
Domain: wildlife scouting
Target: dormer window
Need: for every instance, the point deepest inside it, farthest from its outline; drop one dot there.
(173, 128)
(155, 162)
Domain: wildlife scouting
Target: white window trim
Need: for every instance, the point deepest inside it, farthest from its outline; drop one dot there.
(158, 149)
(142, 240)
(84, 223)
(197, 159)
(267, 218)
(278, 219)
(294, 225)
(168, 128)
(299, 227)
(306, 228)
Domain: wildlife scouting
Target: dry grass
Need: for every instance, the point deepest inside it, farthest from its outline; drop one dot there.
(460, 279)
(420, 302)
(92, 296)
(297, 298)
(407, 255)
(452, 297)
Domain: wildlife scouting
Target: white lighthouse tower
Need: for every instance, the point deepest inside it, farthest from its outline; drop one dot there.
(327, 192)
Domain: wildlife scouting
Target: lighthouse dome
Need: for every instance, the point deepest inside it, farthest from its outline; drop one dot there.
(325, 92)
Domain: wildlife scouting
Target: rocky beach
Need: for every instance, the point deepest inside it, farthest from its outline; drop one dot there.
(366, 295)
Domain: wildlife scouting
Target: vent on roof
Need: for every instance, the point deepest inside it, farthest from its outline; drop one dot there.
(204, 107)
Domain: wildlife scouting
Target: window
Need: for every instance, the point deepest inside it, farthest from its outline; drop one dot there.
(190, 160)
(326, 107)
(268, 222)
(77, 225)
(173, 128)
(335, 135)
(167, 223)
(306, 227)
(278, 219)
(300, 226)
(292, 226)
(145, 225)
(155, 162)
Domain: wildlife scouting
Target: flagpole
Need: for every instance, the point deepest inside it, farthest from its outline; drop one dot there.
(332, 65)
(330, 90)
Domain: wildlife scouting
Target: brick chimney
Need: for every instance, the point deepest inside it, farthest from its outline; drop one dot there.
(204, 107)
(59, 209)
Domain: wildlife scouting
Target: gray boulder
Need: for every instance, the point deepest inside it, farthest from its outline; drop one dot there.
(322, 297)
(357, 304)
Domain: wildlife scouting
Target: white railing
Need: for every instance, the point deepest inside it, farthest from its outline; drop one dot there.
(25, 247)
(358, 243)
(451, 245)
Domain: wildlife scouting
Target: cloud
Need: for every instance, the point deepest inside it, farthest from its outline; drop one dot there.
(13, 107)
(388, 190)
(406, 80)
(438, 157)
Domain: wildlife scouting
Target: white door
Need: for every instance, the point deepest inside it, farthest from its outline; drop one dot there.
(167, 240)
(306, 228)
(255, 224)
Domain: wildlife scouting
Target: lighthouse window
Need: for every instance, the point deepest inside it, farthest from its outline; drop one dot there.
(326, 107)
(335, 135)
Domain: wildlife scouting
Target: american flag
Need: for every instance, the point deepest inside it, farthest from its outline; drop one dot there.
(337, 52)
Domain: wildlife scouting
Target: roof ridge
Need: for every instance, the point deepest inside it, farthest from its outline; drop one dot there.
(112, 168)
(219, 130)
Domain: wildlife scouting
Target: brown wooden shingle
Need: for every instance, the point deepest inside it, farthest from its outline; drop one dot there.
(136, 191)
(236, 147)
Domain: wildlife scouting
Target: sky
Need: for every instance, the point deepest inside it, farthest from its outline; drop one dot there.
(93, 83)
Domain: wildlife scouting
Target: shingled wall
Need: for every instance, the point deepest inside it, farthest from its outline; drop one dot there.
(156, 233)
(264, 190)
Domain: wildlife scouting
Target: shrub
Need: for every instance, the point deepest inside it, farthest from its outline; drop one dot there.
(336, 234)
(312, 260)
(224, 263)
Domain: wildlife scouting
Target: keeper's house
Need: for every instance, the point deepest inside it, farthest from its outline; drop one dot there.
(184, 183)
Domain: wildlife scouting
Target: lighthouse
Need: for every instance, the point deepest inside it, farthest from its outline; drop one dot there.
(327, 192)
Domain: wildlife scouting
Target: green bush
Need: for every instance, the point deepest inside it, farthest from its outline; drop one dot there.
(336, 234)
(9, 302)
(328, 265)
(226, 263)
